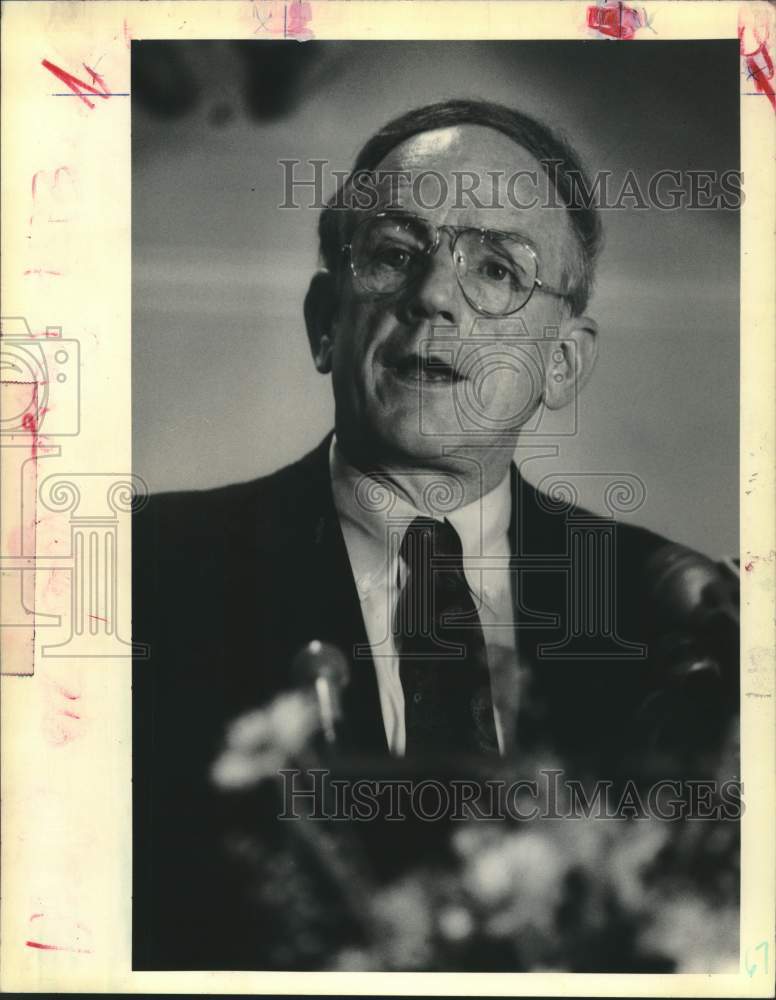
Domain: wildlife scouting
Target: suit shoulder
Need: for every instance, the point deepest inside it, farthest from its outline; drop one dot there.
(549, 519)
(265, 502)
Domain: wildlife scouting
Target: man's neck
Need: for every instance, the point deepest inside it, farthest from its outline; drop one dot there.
(437, 488)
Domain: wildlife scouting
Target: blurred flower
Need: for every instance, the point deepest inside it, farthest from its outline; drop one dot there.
(405, 920)
(630, 854)
(355, 960)
(526, 864)
(700, 937)
(472, 837)
(455, 923)
(579, 895)
(260, 743)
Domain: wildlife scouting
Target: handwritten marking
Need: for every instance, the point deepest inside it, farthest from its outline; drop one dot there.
(616, 20)
(290, 20)
(57, 947)
(297, 17)
(759, 68)
(80, 930)
(65, 692)
(757, 61)
(79, 87)
(751, 969)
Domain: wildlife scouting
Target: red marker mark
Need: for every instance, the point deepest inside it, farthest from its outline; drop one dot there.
(61, 714)
(41, 271)
(297, 17)
(57, 947)
(77, 932)
(30, 423)
(61, 689)
(54, 196)
(57, 732)
(766, 557)
(97, 618)
(291, 20)
(77, 86)
(62, 175)
(754, 38)
(759, 68)
(616, 20)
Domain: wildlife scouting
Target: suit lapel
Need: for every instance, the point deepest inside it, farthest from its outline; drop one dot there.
(342, 623)
(319, 599)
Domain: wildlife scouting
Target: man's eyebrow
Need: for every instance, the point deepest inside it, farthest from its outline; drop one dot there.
(400, 211)
(523, 237)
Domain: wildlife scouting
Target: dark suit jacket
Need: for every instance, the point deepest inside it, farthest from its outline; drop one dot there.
(229, 583)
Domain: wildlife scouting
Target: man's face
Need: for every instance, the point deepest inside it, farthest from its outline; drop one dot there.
(420, 369)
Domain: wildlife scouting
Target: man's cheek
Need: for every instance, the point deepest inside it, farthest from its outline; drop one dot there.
(501, 389)
(357, 324)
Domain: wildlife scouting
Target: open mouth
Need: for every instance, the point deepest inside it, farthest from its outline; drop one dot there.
(414, 369)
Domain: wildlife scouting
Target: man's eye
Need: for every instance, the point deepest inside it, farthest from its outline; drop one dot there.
(395, 257)
(497, 270)
(500, 271)
(494, 270)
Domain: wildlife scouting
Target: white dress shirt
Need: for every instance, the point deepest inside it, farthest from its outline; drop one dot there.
(373, 519)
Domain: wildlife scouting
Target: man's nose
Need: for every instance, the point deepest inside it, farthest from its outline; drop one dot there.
(436, 294)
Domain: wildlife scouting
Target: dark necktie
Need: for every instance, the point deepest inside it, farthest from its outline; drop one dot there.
(443, 661)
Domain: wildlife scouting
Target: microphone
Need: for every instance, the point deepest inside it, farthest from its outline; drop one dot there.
(693, 612)
(323, 666)
(692, 617)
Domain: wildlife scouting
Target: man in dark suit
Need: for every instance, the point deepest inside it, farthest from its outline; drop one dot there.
(478, 615)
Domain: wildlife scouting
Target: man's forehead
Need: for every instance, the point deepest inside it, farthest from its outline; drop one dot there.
(489, 181)
(460, 147)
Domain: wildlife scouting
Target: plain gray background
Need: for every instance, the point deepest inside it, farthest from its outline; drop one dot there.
(223, 385)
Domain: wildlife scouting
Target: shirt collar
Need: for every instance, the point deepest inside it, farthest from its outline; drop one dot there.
(365, 504)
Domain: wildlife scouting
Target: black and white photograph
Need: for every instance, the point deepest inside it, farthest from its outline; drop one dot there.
(435, 396)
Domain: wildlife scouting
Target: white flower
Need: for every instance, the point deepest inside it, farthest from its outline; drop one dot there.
(455, 923)
(261, 742)
(403, 913)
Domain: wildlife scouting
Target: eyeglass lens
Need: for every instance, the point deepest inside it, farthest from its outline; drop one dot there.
(496, 271)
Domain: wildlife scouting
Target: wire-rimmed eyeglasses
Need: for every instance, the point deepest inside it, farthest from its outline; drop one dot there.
(497, 271)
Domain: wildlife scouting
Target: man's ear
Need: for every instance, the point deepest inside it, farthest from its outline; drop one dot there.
(320, 307)
(571, 361)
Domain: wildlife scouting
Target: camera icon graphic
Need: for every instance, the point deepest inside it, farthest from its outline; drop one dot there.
(40, 381)
(497, 356)
(39, 401)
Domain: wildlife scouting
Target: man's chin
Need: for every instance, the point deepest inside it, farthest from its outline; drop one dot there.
(408, 442)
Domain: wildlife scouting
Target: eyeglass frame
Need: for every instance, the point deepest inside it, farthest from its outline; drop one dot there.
(456, 233)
